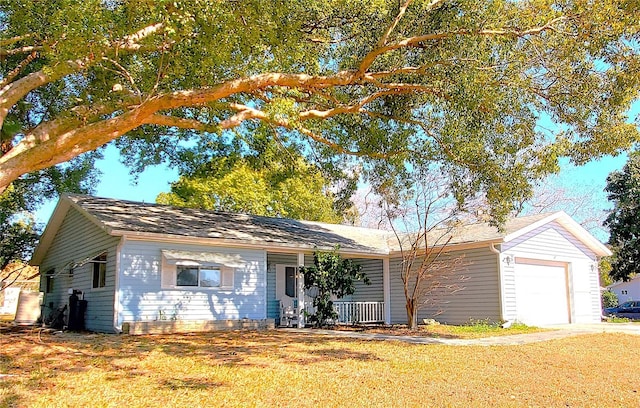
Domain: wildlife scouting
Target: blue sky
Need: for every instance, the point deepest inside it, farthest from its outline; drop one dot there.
(116, 182)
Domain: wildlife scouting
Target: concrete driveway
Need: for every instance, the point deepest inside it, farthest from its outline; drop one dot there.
(557, 332)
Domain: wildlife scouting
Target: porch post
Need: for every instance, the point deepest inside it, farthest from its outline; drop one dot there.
(386, 290)
(300, 291)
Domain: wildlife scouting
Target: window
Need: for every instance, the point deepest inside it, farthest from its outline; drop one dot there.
(290, 281)
(99, 270)
(49, 281)
(202, 276)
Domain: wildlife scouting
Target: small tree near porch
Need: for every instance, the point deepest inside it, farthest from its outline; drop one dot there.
(428, 270)
(330, 275)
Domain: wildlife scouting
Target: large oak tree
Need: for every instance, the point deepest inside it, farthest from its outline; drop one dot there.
(397, 85)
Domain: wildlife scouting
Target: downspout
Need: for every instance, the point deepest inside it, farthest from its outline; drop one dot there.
(386, 290)
(116, 296)
(493, 249)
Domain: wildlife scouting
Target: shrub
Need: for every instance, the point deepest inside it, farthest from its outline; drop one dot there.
(609, 299)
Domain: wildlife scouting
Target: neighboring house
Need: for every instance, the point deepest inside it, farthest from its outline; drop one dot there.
(146, 267)
(629, 290)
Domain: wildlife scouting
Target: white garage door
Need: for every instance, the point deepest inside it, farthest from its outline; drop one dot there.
(541, 294)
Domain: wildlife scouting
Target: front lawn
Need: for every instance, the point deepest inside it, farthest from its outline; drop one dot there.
(280, 368)
(472, 330)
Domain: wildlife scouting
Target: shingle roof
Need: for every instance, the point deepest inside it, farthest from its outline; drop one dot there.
(122, 217)
(130, 216)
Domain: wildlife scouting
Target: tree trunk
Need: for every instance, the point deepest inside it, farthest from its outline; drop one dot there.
(412, 314)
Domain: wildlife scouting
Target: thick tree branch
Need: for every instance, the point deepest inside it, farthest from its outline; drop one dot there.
(10, 94)
(21, 50)
(131, 41)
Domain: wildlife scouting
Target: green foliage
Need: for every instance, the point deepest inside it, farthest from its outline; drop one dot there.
(609, 299)
(467, 84)
(604, 266)
(617, 319)
(331, 275)
(489, 326)
(255, 186)
(19, 232)
(623, 189)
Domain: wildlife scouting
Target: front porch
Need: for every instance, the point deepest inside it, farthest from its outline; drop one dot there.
(348, 312)
(290, 305)
(359, 312)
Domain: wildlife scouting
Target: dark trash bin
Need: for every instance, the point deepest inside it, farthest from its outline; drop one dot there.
(77, 309)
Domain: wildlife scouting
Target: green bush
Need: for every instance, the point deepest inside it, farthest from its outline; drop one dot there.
(609, 299)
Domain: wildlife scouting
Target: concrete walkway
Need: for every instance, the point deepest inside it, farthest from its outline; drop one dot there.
(557, 332)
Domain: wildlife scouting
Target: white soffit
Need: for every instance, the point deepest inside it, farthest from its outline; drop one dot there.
(181, 257)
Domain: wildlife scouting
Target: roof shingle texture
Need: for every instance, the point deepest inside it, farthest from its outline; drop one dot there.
(136, 217)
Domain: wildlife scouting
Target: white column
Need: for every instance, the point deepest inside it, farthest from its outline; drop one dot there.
(300, 280)
(386, 290)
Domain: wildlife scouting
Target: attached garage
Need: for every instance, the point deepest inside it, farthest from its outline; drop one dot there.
(541, 292)
(540, 270)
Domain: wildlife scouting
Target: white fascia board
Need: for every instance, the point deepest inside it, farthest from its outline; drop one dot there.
(458, 247)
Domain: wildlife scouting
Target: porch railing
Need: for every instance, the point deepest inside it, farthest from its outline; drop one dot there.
(359, 312)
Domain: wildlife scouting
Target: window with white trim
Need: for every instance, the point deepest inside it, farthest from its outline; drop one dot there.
(99, 271)
(200, 276)
(190, 274)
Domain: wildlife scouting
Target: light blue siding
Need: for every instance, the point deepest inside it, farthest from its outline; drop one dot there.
(77, 240)
(369, 293)
(478, 296)
(142, 297)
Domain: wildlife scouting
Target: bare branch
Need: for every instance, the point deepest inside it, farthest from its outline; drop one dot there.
(13, 40)
(368, 60)
(183, 123)
(16, 71)
(130, 42)
(403, 8)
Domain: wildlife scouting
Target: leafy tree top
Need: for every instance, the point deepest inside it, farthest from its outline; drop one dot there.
(298, 192)
(395, 85)
(623, 190)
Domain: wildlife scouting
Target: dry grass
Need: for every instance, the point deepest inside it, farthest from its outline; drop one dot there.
(279, 368)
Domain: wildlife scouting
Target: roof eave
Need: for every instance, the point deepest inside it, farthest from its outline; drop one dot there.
(57, 217)
(158, 237)
(459, 246)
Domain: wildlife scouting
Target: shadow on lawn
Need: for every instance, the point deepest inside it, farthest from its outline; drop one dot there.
(42, 356)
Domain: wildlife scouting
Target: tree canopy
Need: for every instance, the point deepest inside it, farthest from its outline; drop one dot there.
(298, 192)
(392, 84)
(623, 189)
